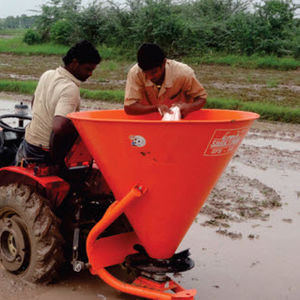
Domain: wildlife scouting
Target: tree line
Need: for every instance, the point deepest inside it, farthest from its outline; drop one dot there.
(18, 22)
(181, 27)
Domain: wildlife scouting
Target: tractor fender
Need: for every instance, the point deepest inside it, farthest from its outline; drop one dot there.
(52, 187)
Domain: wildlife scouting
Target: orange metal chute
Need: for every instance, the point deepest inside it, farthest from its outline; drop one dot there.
(111, 251)
(178, 162)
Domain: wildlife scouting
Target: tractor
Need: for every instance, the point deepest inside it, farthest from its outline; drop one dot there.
(133, 187)
(44, 219)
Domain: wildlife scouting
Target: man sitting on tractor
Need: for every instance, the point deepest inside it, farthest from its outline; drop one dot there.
(156, 83)
(50, 134)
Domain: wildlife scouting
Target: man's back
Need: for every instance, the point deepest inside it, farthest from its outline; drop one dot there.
(57, 93)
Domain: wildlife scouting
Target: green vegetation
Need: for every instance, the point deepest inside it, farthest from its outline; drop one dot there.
(17, 22)
(105, 95)
(21, 87)
(15, 45)
(249, 62)
(267, 111)
(28, 88)
(181, 27)
(12, 32)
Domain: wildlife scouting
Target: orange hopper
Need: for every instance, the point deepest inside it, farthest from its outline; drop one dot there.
(177, 162)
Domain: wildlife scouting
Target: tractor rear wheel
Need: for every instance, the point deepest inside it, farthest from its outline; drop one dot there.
(31, 245)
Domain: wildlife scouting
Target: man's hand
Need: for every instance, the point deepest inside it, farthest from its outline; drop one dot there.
(186, 108)
(163, 109)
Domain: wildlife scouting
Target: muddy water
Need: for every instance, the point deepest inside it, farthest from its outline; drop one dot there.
(7, 105)
(260, 258)
(246, 240)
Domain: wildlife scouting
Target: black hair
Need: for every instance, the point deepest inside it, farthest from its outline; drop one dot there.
(84, 52)
(150, 56)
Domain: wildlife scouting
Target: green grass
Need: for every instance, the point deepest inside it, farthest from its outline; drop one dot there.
(15, 45)
(105, 95)
(272, 83)
(28, 88)
(249, 62)
(109, 65)
(12, 32)
(21, 87)
(267, 111)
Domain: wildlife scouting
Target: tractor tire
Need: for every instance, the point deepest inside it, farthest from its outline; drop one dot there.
(31, 246)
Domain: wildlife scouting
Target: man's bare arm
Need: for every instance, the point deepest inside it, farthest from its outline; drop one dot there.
(186, 108)
(139, 109)
(62, 138)
(142, 109)
(32, 100)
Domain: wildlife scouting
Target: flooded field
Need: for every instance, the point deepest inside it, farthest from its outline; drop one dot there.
(280, 87)
(7, 104)
(245, 241)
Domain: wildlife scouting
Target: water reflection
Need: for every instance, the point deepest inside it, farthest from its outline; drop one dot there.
(7, 106)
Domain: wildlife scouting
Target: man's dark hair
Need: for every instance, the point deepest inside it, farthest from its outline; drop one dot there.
(150, 56)
(84, 52)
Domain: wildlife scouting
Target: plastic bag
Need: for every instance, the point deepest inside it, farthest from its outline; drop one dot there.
(175, 116)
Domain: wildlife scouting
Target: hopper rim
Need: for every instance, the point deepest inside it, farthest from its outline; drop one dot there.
(81, 116)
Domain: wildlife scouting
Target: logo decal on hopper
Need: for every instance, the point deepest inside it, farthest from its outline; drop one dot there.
(137, 141)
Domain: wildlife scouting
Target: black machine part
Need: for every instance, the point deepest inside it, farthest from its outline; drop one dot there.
(11, 137)
(142, 263)
(20, 117)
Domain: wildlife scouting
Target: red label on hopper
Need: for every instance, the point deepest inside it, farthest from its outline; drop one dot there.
(224, 141)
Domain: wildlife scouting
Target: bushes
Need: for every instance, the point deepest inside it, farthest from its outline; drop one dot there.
(61, 32)
(92, 24)
(32, 37)
(156, 22)
(199, 26)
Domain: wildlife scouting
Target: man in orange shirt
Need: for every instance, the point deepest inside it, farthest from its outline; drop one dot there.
(156, 83)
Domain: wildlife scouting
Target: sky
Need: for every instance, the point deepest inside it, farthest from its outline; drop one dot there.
(19, 7)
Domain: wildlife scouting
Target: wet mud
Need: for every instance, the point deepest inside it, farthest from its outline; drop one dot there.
(261, 85)
(238, 197)
(245, 241)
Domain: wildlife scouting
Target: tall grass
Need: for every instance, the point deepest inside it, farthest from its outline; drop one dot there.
(267, 111)
(249, 62)
(21, 87)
